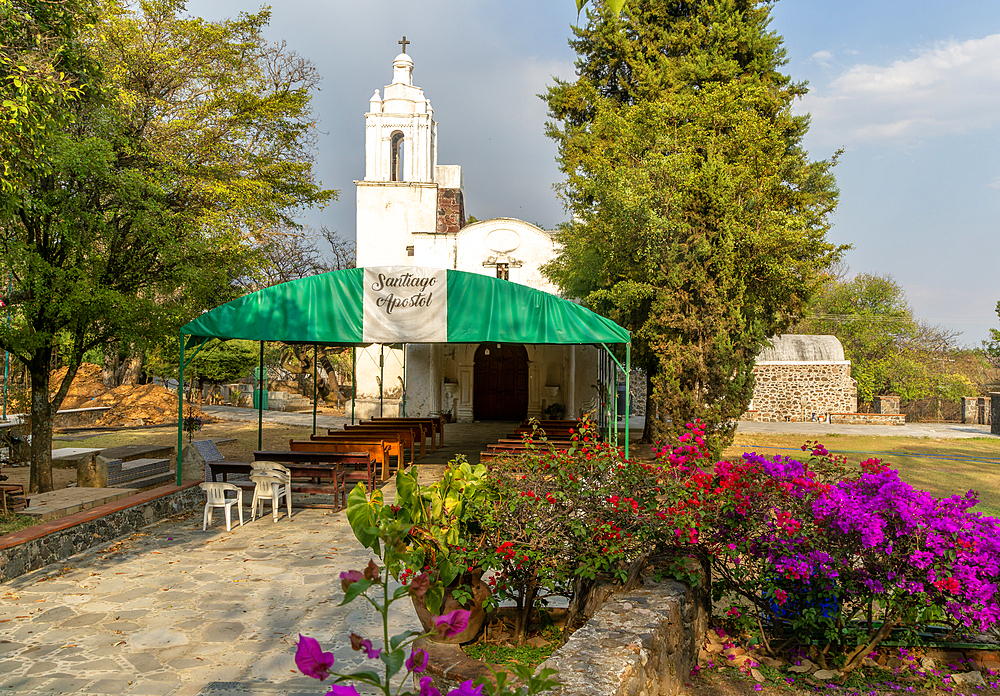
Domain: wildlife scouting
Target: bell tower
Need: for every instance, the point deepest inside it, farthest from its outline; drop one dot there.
(399, 194)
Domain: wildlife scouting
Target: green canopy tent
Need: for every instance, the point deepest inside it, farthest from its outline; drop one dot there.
(399, 304)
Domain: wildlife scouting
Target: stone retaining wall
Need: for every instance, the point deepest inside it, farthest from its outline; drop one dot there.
(868, 418)
(976, 409)
(640, 643)
(50, 542)
(797, 391)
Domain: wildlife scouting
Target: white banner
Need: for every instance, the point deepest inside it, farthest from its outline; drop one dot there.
(405, 304)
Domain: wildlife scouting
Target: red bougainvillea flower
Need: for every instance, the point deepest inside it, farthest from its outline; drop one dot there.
(349, 577)
(311, 660)
(452, 623)
(342, 690)
(372, 571)
(420, 584)
(417, 661)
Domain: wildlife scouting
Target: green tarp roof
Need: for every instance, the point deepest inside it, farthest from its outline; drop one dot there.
(341, 308)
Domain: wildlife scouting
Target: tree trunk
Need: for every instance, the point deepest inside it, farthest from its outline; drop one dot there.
(40, 480)
(524, 607)
(117, 370)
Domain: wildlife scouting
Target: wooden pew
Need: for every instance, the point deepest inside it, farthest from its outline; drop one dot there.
(379, 449)
(422, 431)
(436, 423)
(344, 468)
(409, 435)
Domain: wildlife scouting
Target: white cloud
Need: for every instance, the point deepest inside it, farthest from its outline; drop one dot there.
(995, 183)
(953, 87)
(822, 57)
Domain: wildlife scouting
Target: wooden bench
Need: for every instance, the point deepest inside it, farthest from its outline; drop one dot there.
(436, 424)
(343, 468)
(12, 498)
(378, 449)
(407, 436)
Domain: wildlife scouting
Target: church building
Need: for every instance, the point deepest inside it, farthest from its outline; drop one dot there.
(411, 212)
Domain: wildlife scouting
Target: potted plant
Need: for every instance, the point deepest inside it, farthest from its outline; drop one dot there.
(442, 539)
(554, 411)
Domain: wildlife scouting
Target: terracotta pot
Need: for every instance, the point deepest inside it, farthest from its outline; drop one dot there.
(471, 582)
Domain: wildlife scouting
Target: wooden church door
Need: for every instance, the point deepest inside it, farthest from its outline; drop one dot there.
(500, 382)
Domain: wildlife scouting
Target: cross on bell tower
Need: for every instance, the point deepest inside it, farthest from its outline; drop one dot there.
(404, 43)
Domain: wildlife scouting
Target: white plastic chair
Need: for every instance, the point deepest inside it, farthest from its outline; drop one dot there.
(272, 485)
(216, 495)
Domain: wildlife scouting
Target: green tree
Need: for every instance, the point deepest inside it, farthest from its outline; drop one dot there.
(991, 348)
(699, 223)
(134, 210)
(891, 352)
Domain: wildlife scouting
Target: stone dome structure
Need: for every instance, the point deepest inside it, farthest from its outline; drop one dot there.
(803, 348)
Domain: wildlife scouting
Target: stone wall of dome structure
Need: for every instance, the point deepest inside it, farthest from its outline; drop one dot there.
(802, 378)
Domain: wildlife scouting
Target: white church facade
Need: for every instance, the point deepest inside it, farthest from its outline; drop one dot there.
(411, 212)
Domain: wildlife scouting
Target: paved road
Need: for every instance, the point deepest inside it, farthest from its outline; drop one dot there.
(285, 418)
(176, 611)
(934, 430)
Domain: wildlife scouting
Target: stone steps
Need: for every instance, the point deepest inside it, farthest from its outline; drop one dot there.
(153, 480)
(129, 474)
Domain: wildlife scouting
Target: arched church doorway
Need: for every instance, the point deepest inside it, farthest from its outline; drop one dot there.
(500, 382)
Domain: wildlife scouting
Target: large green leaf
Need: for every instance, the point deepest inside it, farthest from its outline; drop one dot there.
(362, 515)
(393, 660)
(354, 590)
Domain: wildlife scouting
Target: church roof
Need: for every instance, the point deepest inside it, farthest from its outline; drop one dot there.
(803, 348)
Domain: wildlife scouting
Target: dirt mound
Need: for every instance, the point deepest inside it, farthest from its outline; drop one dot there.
(86, 385)
(143, 404)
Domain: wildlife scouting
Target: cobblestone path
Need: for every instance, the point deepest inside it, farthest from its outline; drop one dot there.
(174, 610)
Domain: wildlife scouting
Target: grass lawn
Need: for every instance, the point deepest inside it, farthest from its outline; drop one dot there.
(941, 466)
(12, 523)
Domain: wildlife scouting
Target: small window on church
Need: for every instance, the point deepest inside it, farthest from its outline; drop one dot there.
(409, 251)
(503, 271)
(396, 165)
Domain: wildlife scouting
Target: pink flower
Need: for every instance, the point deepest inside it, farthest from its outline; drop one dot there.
(466, 689)
(452, 623)
(426, 689)
(357, 643)
(341, 690)
(349, 577)
(311, 660)
(417, 661)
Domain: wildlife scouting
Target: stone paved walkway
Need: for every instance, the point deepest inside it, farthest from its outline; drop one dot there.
(174, 610)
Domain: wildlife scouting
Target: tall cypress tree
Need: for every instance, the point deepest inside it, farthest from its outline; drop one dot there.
(699, 222)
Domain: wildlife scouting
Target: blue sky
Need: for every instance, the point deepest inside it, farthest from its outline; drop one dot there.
(910, 90)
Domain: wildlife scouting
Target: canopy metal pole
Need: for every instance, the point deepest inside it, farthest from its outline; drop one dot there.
(381, 378)
(180, 399)
(260, 401)
(315, 385)
(628, 390)
(627, 368)
(6, 358)
(6, 379)
(180, 408)
(354, 380)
